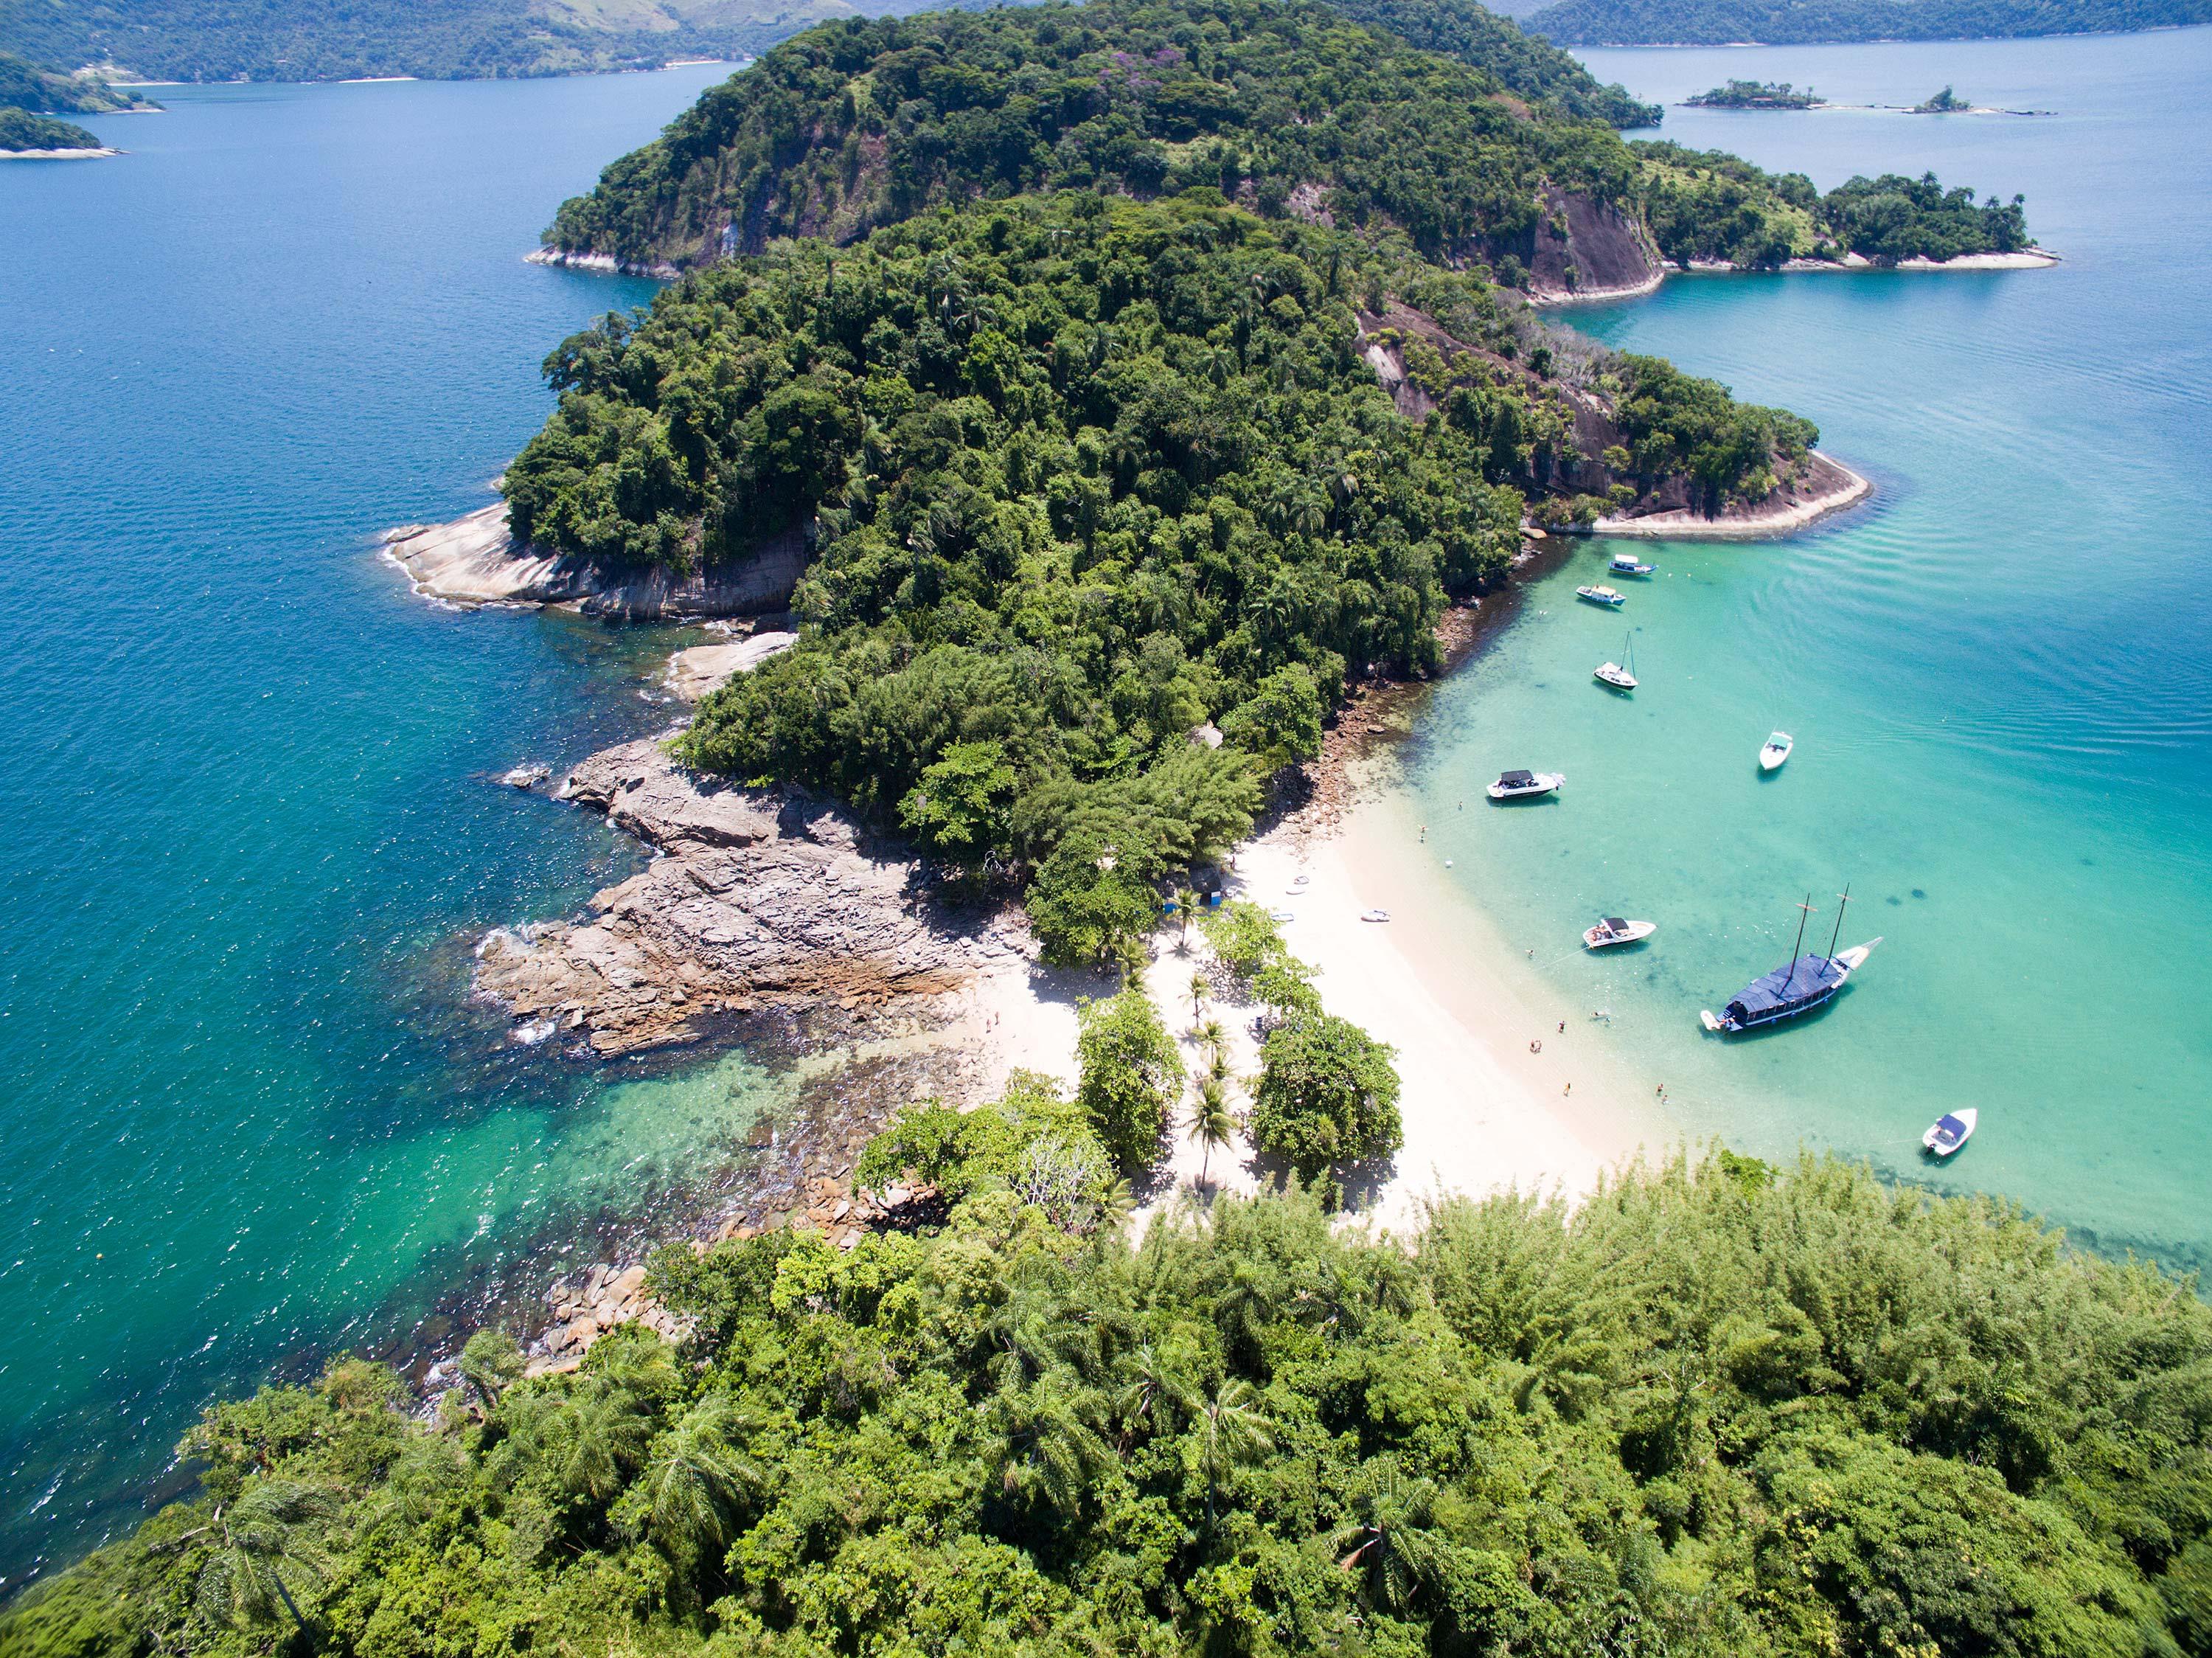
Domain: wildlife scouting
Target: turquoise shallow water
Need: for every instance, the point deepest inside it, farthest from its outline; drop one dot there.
(244, 1114)
(1998, 674)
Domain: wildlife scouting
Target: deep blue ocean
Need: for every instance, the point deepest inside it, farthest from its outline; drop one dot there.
(247, 1115)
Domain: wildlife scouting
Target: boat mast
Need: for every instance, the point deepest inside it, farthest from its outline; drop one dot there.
(1806, 908)
(1846, 896)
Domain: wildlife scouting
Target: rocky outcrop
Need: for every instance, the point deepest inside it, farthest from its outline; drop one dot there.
(754, 896)
(1822, 485)
(1586, 249)
(702, 669)
(476, 560)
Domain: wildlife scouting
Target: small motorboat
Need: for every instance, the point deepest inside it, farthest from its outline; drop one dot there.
(1775, 750)
(1612, 673)
(1627, 563)
(1614, 930)
(1374, 915)
(1950, 1131)
(1525, 785)
(1281, 915)
(1606, 596)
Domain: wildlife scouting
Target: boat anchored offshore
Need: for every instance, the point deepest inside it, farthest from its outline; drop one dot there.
(1805, 985)
(1525, 785)
(1614, 930)
(1775, 750)
(1606, 596)
(1612, 673)
(1627, 563)
(1950, 1131)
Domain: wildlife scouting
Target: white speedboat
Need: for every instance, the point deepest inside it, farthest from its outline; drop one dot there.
(1627, 563)
(1606, 596)
(1525, 785)
(1950, 1131)
(1775, 750)
(1612, 673)
(1614, 930)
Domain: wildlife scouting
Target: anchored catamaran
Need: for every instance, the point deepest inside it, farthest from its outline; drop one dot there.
(1808, 983)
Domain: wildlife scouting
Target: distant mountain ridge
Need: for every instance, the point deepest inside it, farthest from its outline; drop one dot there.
(432, 40)
(1805, 23)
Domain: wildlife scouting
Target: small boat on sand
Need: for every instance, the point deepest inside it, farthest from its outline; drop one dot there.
(1805, 985)
(1614, 930)
(1606, 596)
(1950, 1131)
(1775, 750)
(1612, 673)
(1374, 915)
(1525, 785)
(1627, 563)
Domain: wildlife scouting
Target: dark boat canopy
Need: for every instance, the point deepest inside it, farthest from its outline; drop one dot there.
(1615, 924)
(1515, 779)
(1808, 978)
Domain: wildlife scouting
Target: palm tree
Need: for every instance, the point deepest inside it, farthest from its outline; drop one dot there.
(1200, 990)
(1231, 1434)
(1210, 1125)
(269, 1540)
(1186, 901)
(694, 1478)
(1214, 1037)
(1047, 1445)
(1156, 1385)
(1395, 1542)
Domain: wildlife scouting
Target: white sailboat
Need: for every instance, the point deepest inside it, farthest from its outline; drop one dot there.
(1612, 673)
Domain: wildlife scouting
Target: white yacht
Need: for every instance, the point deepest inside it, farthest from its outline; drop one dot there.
(1627, 563)
(1607, 596)
(1775, 750)
(1614, 930)
(1612, 673)
(1525, 785)
(1950, 1131)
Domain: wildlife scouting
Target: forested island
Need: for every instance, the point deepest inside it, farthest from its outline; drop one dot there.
(1769, 22)
(1139, 384)
(21, 130)
(1756, 94)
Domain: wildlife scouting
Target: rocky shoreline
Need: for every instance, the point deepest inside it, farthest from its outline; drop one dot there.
(1825, 486)
(475, 560)
(754, 897)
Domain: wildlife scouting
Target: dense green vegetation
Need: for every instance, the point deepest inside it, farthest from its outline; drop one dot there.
(1079, 475)
(1278, 103)
(1799, 22)
(1757, 95)
(24, 85)
(1727, 1413)
(1943, 103)
(434, 40)
(1529, 65)
(20, 130)
(1711, 206)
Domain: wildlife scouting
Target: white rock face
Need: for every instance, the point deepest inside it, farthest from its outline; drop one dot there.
(475, 560)
(693, 673)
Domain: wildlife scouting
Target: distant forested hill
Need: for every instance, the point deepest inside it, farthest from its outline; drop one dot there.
(24, 85)
(1531, 66)
(1797, 22)
(435, 40)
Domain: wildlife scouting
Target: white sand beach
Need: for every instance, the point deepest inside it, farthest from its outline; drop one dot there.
(1483, 1109)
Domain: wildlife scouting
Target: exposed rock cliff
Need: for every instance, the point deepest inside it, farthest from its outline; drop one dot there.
(754, 896)
(474, 560)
